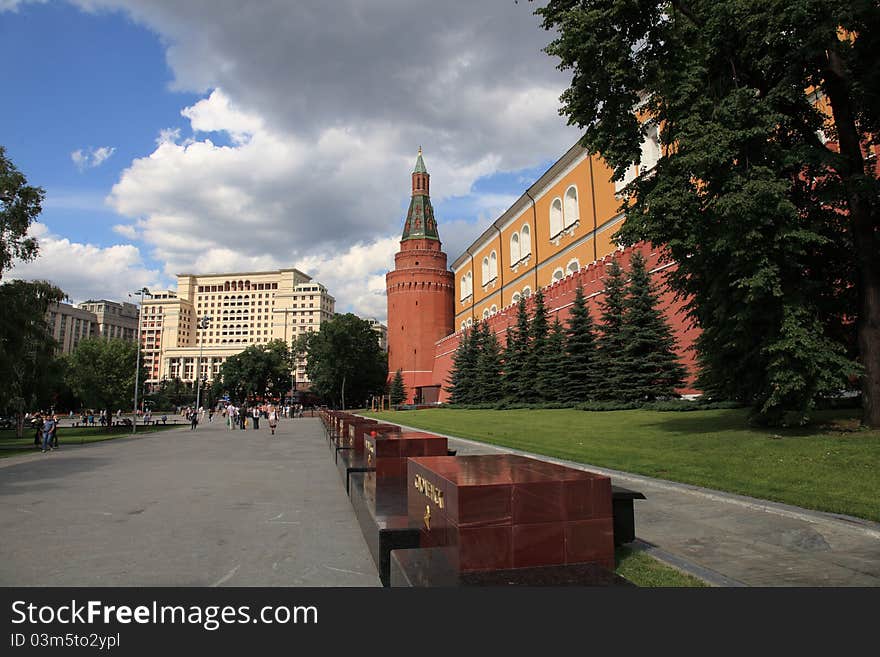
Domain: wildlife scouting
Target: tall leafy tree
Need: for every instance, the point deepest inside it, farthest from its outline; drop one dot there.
(26, 349)
(20, 204)
(398, 389)
(101, 373)
(516, 383)
(582, 375)
(345, 362)
(774, 229)
(611, 342)
(462, 377)
(260, 371)
(650, 364)
(488, 378)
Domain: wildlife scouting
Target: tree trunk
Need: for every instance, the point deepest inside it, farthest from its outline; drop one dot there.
(863, 222)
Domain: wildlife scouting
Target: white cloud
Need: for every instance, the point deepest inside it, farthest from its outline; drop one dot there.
(305, 142)
(91, 158)
(86, 271)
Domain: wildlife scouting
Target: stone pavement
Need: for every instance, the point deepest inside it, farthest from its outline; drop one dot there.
(733, 540)
(209, 507)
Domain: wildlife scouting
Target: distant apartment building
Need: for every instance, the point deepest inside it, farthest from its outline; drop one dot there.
(68, 325)
(115, 320)
(245, 308)
(381, 332)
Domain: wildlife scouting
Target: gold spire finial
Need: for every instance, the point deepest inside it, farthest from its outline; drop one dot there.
(420, 150)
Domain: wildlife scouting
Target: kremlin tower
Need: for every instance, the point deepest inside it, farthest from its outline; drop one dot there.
(420, 295)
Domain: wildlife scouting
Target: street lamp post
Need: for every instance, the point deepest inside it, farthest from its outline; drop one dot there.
(137, 366)
(203, 324)
(286, 312)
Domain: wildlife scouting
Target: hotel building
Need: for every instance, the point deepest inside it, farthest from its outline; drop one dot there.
(245, 308)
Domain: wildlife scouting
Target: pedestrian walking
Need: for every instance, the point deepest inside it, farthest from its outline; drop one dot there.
(54, 435)
(273, 419)
(255, 413)
(37, 424)
(194, 420)
(48, 426)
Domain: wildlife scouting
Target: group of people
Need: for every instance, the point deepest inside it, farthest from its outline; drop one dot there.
(241, 417)
(45, 431)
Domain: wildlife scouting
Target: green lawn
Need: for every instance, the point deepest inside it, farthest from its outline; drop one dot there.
(644, 570)
(68, 436)
(831, 466)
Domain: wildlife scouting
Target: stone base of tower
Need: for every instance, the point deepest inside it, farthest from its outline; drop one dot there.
(420, 387)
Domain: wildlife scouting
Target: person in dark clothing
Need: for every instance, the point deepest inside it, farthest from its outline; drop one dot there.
(37, 424)
(194, 419)
(53, 436)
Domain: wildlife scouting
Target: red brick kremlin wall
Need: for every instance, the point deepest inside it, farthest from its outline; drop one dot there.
(558, 299)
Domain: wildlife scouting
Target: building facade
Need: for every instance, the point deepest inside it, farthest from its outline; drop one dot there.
(555, 237)
(381, 332)
(245, 308)
(420, 294)
(68, 325)
(116, 320)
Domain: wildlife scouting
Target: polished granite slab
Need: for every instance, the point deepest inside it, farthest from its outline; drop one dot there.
(349, 463)
(381, 514)
(431, 567)
(504, 511)
(388, 453)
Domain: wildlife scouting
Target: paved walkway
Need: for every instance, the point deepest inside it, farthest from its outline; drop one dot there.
(733, 540)
(181, 508)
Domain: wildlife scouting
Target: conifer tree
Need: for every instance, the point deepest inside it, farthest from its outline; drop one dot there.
(398, 389)
(464, 365)
(610, 342)
(516, 382)
(650, 366)
(488, 379)
(552, 380)
(582, 375)
(538, 364)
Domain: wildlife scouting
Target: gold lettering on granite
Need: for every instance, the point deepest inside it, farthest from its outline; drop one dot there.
(429, 490)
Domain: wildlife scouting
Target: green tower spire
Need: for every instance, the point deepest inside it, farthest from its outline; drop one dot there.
(420, 223)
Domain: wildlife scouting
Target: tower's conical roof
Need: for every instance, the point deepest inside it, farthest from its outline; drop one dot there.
(420, 223)
(420, 163)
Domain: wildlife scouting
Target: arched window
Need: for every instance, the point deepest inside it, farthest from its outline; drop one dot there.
(558, 275)
(486, 314)
(470, 322)
(514, 248)
(555, 217)
(527, 291)
(573, 266)
(493, 309)
(485, 270)
(464, 292)
(525, 241)
(463, 326)
(516, 297)
(572, 212)
(493, 266)
(470, 283)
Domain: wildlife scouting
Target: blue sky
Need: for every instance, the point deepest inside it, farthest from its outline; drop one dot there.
(203, 133)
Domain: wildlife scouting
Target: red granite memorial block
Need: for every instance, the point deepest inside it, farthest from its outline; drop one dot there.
(387, 452)
(362, 431)
(502, 511)
(353, 428)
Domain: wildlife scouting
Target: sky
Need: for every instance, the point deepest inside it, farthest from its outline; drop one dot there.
(217, 136)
